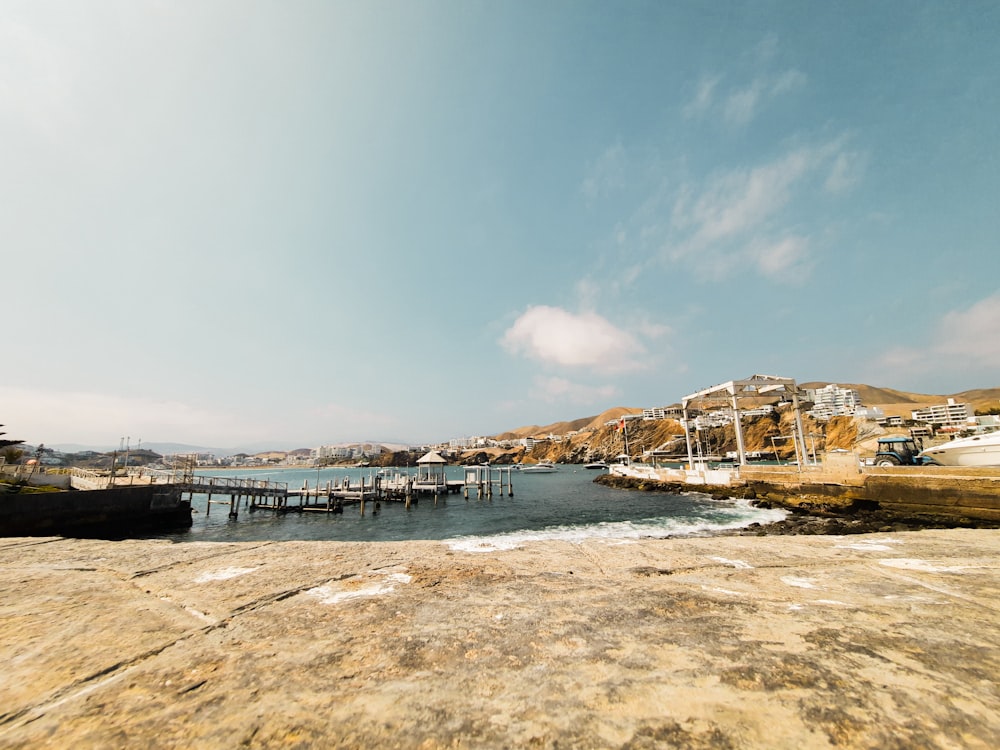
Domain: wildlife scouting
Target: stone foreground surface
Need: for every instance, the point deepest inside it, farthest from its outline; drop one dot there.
(880, 641)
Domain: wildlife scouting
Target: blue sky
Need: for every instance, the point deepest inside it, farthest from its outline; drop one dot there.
(292, 223)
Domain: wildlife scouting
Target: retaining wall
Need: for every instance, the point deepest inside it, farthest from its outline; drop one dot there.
(119, 511)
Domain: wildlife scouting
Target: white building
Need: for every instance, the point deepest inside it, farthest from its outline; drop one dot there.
(833, 401)
(945, 415)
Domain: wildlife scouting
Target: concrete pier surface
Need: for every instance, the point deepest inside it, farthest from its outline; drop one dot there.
(869, 641)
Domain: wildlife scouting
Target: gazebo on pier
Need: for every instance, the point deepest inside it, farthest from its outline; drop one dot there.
(430, 474)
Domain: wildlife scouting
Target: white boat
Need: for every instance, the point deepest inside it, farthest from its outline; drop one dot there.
(595, 465)
(542, 467)
(978, 450)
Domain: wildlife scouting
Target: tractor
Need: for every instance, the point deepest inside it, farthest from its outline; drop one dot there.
(898, 450)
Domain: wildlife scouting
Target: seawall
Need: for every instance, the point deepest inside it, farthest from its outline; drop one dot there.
(937, 491)
(118, 511)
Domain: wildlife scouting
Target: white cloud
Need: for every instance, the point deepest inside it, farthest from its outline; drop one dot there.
(562, 390)
(558, 337)
(966, 341)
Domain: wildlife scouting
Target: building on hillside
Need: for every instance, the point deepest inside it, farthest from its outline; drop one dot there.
(760, 411)
(945, 415)
(832, 401)
(713, 419)
(662, 412)
(870, 412)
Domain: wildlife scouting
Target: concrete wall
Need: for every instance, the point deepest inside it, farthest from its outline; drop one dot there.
(935, 490)
(115, 512)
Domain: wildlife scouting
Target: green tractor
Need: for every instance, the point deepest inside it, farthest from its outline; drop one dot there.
(898, 450)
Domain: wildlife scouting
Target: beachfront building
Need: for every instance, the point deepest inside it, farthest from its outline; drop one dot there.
(333, 451)
(944, 415)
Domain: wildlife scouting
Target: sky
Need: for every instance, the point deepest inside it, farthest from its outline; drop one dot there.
(285, 224)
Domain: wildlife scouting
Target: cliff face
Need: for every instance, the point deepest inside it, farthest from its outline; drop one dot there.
(766, 434)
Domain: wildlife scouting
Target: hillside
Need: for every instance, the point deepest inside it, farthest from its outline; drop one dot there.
(594, 439)
(563, 428)
(901, 403)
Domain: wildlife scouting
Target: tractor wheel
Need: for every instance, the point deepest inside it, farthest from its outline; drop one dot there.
(887, 461)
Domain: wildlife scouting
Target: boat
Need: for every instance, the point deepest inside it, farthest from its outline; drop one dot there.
(978, 450)
(597, 465)
(542, 467)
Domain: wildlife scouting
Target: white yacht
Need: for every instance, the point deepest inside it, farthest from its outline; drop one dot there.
(542, 467)
(978, 450)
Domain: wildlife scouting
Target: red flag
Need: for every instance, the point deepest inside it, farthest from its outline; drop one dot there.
(621, 423)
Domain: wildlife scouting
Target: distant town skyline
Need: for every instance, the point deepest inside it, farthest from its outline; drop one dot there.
(245, 223)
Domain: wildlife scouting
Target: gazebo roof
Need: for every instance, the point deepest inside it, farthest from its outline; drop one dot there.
(433, 457)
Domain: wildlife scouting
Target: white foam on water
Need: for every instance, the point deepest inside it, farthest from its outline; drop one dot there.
(737, 515)
(738, 564)
(920, 565)
(832, 601)
(328, 594)
(223, 575)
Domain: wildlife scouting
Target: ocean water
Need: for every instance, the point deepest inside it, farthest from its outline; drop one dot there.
(566, 505)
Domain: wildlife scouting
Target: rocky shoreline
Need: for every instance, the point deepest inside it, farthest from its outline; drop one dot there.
(791, 643)
(808, 515)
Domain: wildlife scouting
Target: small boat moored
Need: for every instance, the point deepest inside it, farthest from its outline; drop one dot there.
(542, 467)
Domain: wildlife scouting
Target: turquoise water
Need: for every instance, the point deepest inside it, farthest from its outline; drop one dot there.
(565, 505)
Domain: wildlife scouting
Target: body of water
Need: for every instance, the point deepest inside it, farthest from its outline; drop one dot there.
(565, 505)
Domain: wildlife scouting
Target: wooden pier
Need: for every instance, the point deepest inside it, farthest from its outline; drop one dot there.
(331, 497)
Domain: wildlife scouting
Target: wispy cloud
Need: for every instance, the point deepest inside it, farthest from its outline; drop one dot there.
(966, 341)
(558, 337)
(738, 104)
(606, 174)
(732, 221)
(846, 171)
(704, 97)
(565, 391)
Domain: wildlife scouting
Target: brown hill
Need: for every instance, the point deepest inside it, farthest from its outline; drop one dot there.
(598, 440)
(562, 428)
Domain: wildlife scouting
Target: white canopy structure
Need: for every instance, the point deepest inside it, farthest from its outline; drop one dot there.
(430, 473)
(757, 387)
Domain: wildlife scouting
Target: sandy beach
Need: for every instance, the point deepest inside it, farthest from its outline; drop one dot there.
(871, 641)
